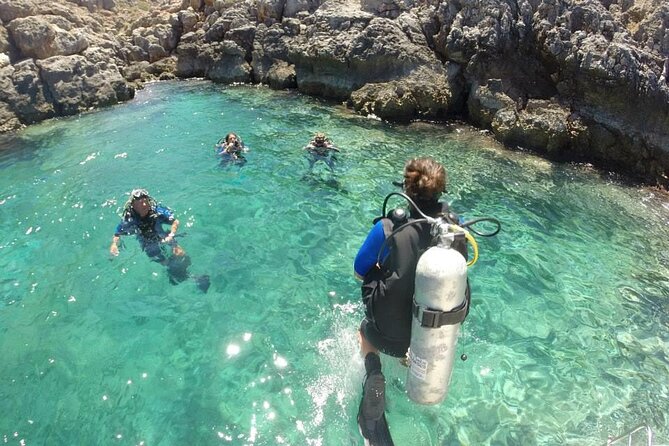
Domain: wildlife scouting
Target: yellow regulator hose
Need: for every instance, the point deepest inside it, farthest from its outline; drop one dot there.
(475, 246)
(470, 238)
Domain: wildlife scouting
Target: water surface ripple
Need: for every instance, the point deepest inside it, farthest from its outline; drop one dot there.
(567, 338)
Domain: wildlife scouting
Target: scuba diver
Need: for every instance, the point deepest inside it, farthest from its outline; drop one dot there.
(386, 264)
(415, 291)
(145, 218)
(231, 149)
(320, 148)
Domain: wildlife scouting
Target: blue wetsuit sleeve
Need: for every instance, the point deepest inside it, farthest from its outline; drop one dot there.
(125, 228)
(369, 251)
(165, 215)
(119, 229)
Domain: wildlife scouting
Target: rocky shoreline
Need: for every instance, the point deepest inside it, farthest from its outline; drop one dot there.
(574, 80)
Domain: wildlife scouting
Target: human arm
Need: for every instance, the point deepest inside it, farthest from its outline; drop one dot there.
(220, 145)
(113, 249)
(176, 249)
(332, 147)
(121, 229)
(169, 238)
(369, 251)
(234, 150)
(173, 231)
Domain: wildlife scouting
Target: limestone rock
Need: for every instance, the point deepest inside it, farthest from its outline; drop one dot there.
(13, 9)
(8, 119)
(486, 100)
(281, 75)
(545, 126)
(45, 36)
(76, 84)
(23, 90)
(426, 94)
(218, 61)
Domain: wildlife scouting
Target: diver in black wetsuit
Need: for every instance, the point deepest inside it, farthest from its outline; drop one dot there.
(321, 149)
(231, 150)
(386, 265)
(145, 218)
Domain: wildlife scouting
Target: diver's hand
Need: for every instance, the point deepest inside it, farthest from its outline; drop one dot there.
(168, 238)
(178, 250)
(113, 248)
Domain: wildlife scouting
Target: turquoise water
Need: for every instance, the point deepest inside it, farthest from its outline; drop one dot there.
(567, 340)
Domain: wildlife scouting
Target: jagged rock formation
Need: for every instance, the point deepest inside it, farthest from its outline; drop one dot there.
(56, 61)
(573, 79)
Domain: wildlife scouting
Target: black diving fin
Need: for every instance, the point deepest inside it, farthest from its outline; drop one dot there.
(371, 414)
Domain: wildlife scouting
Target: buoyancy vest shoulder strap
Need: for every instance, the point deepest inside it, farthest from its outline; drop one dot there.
(388, 226)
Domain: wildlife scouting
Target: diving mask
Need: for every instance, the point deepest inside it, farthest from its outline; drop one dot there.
(136, 194)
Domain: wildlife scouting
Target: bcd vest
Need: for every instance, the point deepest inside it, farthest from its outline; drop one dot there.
(388, 288)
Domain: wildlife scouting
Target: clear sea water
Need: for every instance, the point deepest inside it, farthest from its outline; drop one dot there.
(567, 340)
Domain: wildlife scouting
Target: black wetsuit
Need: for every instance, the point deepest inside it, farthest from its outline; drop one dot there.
(149, 229)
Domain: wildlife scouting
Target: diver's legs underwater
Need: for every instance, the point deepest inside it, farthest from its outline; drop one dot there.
(177, 270)
(176, 264)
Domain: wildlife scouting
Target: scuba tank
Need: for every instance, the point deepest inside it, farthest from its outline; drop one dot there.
(440, 305)
(440, 302)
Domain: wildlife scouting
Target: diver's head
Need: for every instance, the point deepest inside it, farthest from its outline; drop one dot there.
(232, 138)
(140, 202)
(424, 179)
(319, 139)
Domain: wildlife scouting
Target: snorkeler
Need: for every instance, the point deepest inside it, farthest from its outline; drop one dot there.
(231, 149)
(145, 218)
(320, 148)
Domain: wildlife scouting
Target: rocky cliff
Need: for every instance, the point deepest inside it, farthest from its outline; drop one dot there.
(584, 80)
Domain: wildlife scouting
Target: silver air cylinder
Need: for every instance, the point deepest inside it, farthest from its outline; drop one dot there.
(441, 282)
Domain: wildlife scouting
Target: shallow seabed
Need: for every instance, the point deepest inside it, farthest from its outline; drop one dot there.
(567, 340)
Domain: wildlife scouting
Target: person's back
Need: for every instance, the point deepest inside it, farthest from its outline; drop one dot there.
(392, 316)
(388, 286)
